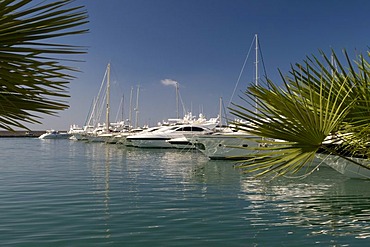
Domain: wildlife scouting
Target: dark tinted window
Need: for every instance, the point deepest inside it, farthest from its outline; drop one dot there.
(190, 128)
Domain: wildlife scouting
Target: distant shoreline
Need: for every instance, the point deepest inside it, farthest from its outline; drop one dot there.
(21, 133)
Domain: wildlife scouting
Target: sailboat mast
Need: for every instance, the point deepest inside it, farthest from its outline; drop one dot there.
(108, 99)
(220, 113)
(177, 100)
(130, 112)
(120, 110)
(137, 107)
(256, 65)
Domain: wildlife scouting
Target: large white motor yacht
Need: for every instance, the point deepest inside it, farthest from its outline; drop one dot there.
(161, 138)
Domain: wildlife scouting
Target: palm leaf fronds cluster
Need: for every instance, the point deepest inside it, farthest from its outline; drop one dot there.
(34, 74)
(321, 106)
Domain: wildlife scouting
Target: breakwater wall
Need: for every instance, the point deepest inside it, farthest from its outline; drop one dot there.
(21, 133)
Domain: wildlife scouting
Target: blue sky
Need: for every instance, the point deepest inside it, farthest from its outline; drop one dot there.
(202, 45)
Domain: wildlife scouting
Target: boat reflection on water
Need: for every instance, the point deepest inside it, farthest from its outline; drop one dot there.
(100, 157)
(171, 185)
(323, 203)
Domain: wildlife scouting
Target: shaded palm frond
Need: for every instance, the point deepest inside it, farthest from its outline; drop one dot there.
(32, 77)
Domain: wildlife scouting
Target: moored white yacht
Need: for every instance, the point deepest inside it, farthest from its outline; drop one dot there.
(53, 134)
(181, 143)
(122, 137)
(352, 167)
(161, 138)
(229, 143)
(350, 164)
(104, 134)
(77, 133)
(226, 144)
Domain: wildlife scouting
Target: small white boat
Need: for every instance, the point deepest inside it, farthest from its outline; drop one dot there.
(53, 134)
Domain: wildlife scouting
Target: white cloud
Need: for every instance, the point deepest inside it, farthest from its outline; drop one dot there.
(169, 82)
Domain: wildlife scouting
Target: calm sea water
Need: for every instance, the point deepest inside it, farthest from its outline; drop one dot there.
(66, 193)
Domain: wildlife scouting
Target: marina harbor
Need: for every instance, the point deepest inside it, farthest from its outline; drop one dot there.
(194, 123)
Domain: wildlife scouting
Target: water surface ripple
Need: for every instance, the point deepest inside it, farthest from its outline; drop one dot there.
(66, 193)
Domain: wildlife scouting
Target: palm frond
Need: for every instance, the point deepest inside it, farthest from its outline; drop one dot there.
(312, 105)
(32, 77)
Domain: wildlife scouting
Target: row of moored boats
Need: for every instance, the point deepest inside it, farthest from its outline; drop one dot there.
(207, 136)
(204, 135)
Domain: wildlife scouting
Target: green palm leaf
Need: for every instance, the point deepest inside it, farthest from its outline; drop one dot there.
(32, 78)
(355, 80)
(296, 119)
